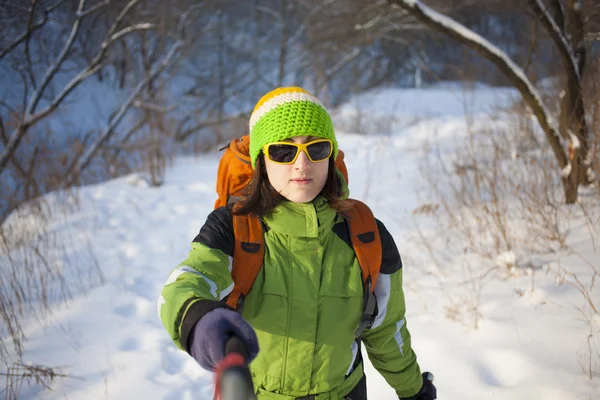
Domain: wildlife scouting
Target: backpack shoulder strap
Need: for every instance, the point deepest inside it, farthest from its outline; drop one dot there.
(364, 234)
(248, 255)
(366, 242)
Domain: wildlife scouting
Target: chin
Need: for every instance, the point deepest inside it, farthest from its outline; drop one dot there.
(301, 198)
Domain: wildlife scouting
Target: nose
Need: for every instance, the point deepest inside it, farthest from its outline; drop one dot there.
(302, 161)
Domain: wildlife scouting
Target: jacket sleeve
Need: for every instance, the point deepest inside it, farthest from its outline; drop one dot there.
(387, 341)
(200, 283)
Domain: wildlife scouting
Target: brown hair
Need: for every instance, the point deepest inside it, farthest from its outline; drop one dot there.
(260, 197)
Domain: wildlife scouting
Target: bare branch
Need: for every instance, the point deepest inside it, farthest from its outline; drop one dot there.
(91, 69)
(57, 63)
(297, 36)
(342, 62)
(129, 29)
(154, 107)
(126, 138)
(120, 17)
(28, 32)
(94, 8)
(15, 6)
(29, 118)
(118, 116)
(184, 18)
(559, 39)
(181, 134)
(21, 131)
(576, 32)
(559, 14)
(27, 40)
(10, 109)
(2, 131)
(4, 139)
(270, 11)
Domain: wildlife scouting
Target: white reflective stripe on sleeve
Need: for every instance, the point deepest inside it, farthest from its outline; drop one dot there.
(382, 293)
(182, 270)
(354, 355)
(159, 303)
(230, 267)
(226, 291)
(178, 271)
(398, 335)
(213, 286)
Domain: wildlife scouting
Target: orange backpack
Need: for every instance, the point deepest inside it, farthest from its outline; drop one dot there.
(233, 174)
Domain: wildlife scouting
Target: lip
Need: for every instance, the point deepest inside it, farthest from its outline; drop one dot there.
(302, 181)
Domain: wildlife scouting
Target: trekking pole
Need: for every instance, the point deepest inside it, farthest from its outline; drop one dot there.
(232, 379)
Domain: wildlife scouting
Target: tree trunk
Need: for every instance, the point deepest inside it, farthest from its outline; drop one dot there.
(576, 33)
(572, 54)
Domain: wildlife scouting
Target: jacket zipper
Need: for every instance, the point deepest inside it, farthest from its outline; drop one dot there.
(287, 325)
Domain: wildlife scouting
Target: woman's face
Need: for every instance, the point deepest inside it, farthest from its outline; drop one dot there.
(301, 181)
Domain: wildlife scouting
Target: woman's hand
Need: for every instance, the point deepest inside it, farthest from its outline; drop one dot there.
(213, 330)
(428, 390)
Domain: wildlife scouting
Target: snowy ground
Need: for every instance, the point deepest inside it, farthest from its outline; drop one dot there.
(528, 345)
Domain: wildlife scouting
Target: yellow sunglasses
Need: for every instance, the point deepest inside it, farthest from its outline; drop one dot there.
(287, 152)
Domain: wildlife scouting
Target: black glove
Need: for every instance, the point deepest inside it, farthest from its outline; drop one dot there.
(427, 392)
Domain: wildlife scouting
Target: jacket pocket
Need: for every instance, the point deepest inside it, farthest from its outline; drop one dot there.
(274, 281)
(342, 280)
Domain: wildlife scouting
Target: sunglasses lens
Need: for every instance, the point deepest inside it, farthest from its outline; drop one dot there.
(319, 151)
(282, 153)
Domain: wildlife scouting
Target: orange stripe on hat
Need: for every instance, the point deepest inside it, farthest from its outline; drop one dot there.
(277, 92)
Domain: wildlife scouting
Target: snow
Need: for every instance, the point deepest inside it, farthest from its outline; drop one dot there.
(531, 334)
(575, 144)
(566, 171)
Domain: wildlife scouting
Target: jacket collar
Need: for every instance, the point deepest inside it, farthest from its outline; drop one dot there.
(301, 219)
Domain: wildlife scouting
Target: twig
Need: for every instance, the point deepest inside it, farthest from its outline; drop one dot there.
(57, 63)
(118, 116)
(34, 27)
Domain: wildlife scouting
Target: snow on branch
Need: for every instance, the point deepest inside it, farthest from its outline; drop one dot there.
(129, 29)
(559, 14)
(563, 45)
(120, 17)
(494, 54)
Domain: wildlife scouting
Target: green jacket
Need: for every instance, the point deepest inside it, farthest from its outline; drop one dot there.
(305, 305)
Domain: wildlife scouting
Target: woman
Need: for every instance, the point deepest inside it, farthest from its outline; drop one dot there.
(306, 303)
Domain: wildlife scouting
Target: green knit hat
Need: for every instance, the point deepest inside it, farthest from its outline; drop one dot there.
(287, 112)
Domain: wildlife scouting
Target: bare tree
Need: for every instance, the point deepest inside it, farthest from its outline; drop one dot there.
(33, 113)
(94, 34)
(576, 163)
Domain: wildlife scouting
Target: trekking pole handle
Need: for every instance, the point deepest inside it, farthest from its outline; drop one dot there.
(236, 345)
(233, 376)
(428, 376)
